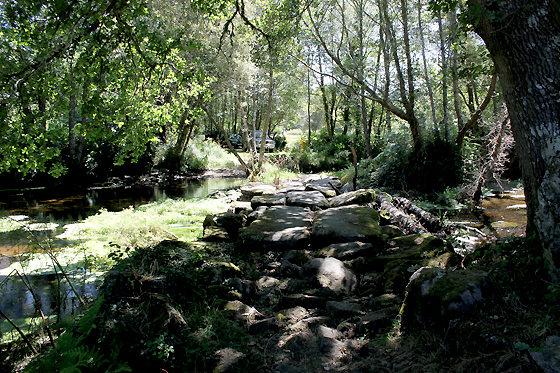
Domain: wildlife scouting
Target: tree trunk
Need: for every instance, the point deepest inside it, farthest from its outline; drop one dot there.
(425, 65)
(523, 38)
(444, 73)
(361, 68)
(455, 71)
(268, 112)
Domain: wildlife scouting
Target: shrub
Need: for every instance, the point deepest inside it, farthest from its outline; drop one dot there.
(438, 168)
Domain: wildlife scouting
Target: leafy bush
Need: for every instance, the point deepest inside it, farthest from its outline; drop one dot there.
(326, 155)
(438, 168)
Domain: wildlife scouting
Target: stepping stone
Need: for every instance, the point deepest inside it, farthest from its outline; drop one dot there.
(258, 189)
(313, 200)
(279, 228)
(330, 273)
(327, 191)
(346, 224)
(268, 200)
(357, 197)
(292, 186)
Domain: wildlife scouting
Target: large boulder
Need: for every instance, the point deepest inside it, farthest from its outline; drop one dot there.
(434, 296)
(346, 224)
(279, 228)
(330, 273)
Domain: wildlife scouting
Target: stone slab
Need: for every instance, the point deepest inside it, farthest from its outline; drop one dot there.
(279, 228)
(313, 200)
(346, 224)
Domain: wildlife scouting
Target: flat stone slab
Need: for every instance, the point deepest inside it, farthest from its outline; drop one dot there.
(258, 189)
(327, 191)
(268, 200)
(346, 224)
(291, 186)
(314, 200)
(357, 197)
(279, 228)
(349, 250)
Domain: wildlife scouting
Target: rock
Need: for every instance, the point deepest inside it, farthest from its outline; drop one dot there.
(327, 191)
(257, 189)
(348, 250)
(327, 181)
(384, 301)
(358, 197)
(287, 368)
(228, 360)
(312, 200)
(244, 287)
(346, 224)
(242, 311)
(229, 221)
(268, 200)
(375, 321)
(288, 269)
(237, 207)
(326, 332)
(267, 282)
(420, 242)
(291, 186)
(263, 325)
(293, 315)
(343, 309)
(416, 247)
(303, 300)
(435, 296)
(330, 273)
(391, 231)
(215, 234)
(255, 215)
(279, 228)
(549, 358)
(298, 257)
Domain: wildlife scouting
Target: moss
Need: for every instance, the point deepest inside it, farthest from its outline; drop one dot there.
(454, 284)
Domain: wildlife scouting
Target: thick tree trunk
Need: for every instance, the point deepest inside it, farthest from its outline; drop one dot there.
(523, 38)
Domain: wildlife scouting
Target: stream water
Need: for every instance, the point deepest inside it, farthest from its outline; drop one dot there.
(49, 204)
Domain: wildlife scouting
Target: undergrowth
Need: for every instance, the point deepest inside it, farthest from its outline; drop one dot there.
(155, 315)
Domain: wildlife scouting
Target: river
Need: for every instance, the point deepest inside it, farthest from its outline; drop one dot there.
(46, 205)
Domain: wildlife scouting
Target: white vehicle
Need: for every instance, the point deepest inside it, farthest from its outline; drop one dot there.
(269, 143)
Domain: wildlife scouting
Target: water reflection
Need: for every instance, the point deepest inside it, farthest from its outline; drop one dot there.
(73, 205)
(48, 293)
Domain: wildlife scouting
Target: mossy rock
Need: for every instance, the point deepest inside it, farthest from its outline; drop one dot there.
(435, 296)
(346, 224)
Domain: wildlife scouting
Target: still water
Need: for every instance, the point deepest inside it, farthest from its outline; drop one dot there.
(17, 299)
(73, 205)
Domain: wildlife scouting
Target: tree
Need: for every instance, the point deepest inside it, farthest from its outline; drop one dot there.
(523, 38)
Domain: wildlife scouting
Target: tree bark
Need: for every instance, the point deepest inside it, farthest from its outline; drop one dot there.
(523, 38)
